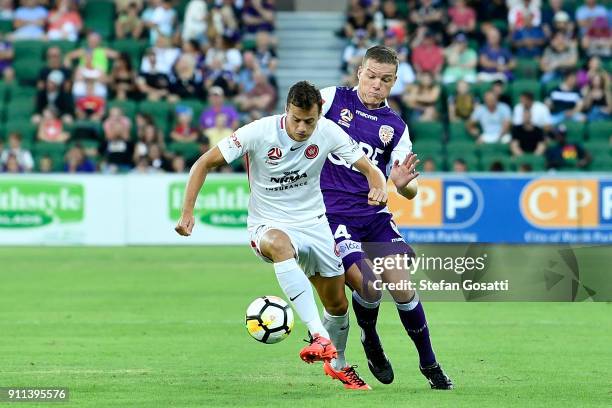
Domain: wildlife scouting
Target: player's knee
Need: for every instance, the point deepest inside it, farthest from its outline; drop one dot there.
(337, 307)
(276, 245)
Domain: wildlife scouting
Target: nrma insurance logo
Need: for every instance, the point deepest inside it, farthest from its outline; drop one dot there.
(450, 203)
(29, 204)
(221, 203)
(560, 203)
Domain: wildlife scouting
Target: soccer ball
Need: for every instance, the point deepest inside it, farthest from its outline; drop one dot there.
(269, 319)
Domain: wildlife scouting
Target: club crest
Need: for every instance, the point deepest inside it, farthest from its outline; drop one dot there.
(386, 134)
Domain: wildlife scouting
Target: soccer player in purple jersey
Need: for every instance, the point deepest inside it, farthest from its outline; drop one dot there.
(364, 232)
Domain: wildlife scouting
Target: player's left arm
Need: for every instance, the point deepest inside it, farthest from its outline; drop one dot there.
(403, 172)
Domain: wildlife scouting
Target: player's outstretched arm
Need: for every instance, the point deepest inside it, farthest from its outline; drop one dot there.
(376, 181)
(208, 161)
(404, 175)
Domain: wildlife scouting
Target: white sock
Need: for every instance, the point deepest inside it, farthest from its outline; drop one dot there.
(338, 328)
(296, 287)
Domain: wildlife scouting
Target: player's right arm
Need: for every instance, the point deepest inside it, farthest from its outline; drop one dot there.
(208, 161)
(227, 150)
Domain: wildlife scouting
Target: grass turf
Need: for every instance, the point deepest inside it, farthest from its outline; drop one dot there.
(162, 327)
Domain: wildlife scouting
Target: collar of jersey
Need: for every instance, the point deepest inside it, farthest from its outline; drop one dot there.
(385, 104)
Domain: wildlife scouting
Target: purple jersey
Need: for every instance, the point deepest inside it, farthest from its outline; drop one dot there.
(382, 135)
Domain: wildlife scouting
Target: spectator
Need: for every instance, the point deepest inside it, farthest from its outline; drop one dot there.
(529, 39)
(93, 53)
(260, 100)
(186, 81)
(527, 138)
(88, 74)
(91, 106)
(54, 95)
(194, 22)
(11, 165)
(219, 131)
(459, 166)
(122, 5)
(500, 89)
(390, 18)
(354, 51)
(152, 83)
(149, 136)
(178, 164)
(50, 128)
(562, 23)
(6, 60)
(22, 156)
(65, 23)
(54, 64)
(165, 56)
(116, 153)
(223, 19)
(183, 131)
(492, 10)
(258, 15)
(217, 106)
(7, 11)
(158, 159)
(422, 98)
(128, 24)
(75, 161)
(203, 147)
(564, 154)
(462, 19)
(427, 56)
(565, 101)
(517, 16)
(496, 167)
(393, 40)
(215, 75)
(593, 67)
(192, 48)
(461, 61)
(29, 21)
(539, 114)
(598, 99)
(587, 13)
(225, 50)
(428, 15)
(462, 104)
(554, 14)
(496, 62)
(143, 166)
(246, 79)
(494, 120)
(123, 79)
(45, 164)
(116, 125)
(525, 168)
(160, 19)
(429, 165)
(359, 19)
(560, 55)
(597, 41)
(265, 54)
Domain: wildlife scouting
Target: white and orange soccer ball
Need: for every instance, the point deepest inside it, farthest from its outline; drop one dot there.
(269, 319)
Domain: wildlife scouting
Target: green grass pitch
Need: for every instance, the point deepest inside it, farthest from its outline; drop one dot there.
(163, 327)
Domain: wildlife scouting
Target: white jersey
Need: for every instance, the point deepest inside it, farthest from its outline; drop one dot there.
(284, 174)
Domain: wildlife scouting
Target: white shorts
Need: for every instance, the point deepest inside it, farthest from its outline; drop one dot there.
(314, 245)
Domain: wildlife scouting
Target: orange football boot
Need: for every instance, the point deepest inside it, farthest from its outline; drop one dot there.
(348, 376)
(319, 349)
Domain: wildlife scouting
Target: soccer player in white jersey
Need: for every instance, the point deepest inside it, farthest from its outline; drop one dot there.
(286, 219)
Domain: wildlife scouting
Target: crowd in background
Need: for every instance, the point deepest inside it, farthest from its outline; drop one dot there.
(146, 87)
(513, 72)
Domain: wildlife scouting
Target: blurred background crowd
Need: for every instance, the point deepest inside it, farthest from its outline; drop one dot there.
(149, 85)
(130, 85)
(495, 85)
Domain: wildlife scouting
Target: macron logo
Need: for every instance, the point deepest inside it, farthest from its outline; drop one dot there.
(366, 115)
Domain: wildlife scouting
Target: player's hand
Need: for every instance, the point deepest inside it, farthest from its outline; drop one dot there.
(377, 196)
(185, 225)
(404, 173)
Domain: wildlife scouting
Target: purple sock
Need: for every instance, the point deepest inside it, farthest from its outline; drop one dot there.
(366, 314)
(413, 318)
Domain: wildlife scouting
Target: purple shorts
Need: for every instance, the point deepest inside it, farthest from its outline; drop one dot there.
(370, 237)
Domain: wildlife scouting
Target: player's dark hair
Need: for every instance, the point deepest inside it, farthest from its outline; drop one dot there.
(382, 54)
(303, 95)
